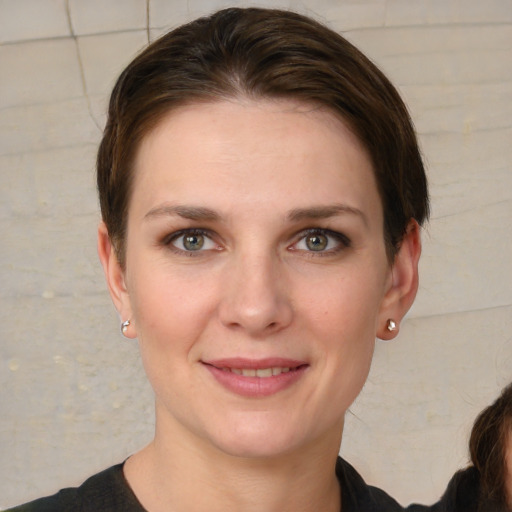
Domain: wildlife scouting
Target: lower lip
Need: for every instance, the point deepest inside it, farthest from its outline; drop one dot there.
(256, 386)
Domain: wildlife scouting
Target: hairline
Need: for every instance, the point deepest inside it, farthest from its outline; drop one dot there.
(238, 94)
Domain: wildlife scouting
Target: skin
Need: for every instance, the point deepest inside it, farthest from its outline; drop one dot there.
(266, 171)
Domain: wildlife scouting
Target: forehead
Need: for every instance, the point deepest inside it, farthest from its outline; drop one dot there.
(261, 151)
(238, 115)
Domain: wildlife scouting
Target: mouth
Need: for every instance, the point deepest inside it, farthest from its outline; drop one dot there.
(256, 378)
(259, 372)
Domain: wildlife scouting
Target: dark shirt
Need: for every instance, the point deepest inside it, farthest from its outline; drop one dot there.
(463, 494)
(105, 491)
(109, 491)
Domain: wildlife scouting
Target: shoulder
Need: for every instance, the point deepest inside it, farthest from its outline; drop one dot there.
(461, 495)
(105, 491)
(357, 495)
(59, 502)
(464, 494)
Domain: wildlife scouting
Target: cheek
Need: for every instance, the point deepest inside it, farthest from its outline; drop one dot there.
(344, 319)
(170, 310)
(170, 318)
(347, 304)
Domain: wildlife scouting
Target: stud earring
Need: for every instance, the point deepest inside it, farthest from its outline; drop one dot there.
(124, 327)
(391, 325)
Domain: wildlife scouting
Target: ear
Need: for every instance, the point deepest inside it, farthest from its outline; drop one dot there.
(115, 277)
(403, 283)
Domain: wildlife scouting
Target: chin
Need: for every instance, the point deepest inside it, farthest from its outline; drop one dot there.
(257, 449)
(260, 440)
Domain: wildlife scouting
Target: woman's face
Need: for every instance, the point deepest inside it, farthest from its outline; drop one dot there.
(256, 275)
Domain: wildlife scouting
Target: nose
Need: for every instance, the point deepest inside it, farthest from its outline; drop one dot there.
(255, 296)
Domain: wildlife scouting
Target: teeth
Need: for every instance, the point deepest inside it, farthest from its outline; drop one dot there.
(260, 372)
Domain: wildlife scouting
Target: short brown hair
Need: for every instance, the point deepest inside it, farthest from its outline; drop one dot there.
(262, 53)
(488, 446)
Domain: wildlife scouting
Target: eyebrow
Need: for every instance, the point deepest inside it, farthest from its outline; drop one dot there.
(187, 212)
(200, 213)
(325, 212)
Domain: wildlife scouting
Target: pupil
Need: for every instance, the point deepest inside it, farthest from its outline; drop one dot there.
(317, 242)
(193, 242)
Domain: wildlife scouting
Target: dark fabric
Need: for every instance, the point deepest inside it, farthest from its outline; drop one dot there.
(462, 495)
(356, 496)
(105, 491)
(109, 491)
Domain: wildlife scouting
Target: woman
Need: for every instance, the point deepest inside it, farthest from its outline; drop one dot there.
(262, 194)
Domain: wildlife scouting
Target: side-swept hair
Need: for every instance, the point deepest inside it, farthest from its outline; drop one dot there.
(262, 53)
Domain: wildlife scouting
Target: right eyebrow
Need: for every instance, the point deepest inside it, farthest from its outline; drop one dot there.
(198, 213)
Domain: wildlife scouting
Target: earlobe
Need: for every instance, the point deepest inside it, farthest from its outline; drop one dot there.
(114, 274)
(404, 283)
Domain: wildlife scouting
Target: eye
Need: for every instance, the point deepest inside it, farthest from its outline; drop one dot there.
(192, 240)
(321, 241)
(316, 242)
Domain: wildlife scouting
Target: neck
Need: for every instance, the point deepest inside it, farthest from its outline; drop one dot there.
(174, 474)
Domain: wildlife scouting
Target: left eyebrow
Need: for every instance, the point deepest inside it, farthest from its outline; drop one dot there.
(324, 212)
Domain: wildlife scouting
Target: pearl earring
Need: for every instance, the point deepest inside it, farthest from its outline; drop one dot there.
(391, 325)
(124, 327)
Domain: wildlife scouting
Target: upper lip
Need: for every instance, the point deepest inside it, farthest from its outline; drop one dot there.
(256, 364)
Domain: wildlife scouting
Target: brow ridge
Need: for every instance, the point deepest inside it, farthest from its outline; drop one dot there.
(199, 213)
(324, 212)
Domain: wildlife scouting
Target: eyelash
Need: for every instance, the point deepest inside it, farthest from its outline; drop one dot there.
(342, 241)
(173, 237)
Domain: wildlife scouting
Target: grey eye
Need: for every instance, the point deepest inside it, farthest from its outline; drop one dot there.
(316, 242)
(193, 242)
(321, 241)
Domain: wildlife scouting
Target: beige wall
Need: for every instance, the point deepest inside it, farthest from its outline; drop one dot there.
(73, 398)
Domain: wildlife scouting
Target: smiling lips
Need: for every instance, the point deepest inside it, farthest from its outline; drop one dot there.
(258, 372)
(251, 378)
